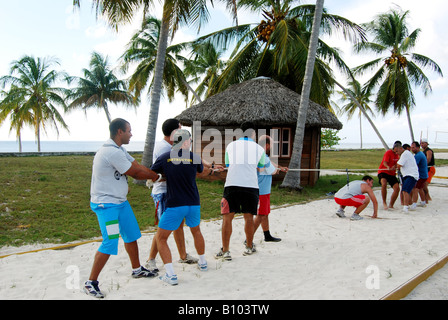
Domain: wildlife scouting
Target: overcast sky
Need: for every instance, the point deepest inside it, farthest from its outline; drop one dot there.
(52, 28)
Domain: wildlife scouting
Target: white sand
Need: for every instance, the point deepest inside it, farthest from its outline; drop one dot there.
(321, 256)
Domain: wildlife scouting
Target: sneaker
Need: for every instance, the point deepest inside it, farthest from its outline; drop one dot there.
(189, 260)
(223, 255)
(405, 209)
(249, 251)
(202, 267)
(151, 265)
(172, 280)
(143, 273)
(422, 204)
(340, 213)
(272, 239)
(413, 207)
(356, 217)
(91, 288)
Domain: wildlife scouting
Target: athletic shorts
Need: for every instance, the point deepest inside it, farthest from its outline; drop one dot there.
(264, 204)
(239, 200)
(391, 180)
(115, 220)
(420, 183)
(355, 201)
(408, 184)
(159, 203)
(431, 173)
(173, 217)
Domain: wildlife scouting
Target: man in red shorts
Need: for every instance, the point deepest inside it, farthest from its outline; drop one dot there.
(387, 175)
(352, 195)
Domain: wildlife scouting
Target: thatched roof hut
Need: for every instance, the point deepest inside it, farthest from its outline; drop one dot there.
(271, 107)
(263, 101)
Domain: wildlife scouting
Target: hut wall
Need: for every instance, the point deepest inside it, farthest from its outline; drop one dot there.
(310, 153)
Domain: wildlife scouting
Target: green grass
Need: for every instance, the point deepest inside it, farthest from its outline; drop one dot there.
(46, 199)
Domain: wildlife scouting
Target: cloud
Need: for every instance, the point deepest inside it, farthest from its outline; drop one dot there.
(72, 22)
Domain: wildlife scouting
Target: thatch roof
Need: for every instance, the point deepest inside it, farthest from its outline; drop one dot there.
(263, 101)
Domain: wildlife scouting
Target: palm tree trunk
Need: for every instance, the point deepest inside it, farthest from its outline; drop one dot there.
(155, 93)
(292, 178)
(364, 113)
(360, 128)
(408, 114)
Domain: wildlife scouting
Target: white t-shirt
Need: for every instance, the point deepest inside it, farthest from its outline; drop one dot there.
(242, 158)
(409, 165)
(160, 148)
(350, 190)
(109, 184)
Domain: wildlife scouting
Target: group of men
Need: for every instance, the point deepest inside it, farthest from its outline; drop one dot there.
(174, 191)
(415, 169)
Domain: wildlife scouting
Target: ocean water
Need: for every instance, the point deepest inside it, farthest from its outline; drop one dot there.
(135, 146)
(64, 146)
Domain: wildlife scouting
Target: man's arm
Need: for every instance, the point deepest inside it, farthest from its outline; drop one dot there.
(367, 189)
(140, 172)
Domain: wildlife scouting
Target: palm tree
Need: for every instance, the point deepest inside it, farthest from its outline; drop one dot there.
(98, 87)
(33, 90)
(278, 47)
(142, 50)
(351, 108)
(19, 117)
(400, 69)
(292, 178)
(175, 12)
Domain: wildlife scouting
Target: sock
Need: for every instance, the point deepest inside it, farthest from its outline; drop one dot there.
(169, 269)
(137, 269)
(202, 259)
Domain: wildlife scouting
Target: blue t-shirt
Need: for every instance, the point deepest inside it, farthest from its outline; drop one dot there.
(265, 177)
(422, 164)
(180, 169)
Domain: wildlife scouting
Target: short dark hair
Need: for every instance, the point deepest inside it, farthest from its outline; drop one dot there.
(416, 144)
(406, 146)
(117, 124)
(248, 128)
(365, 178)
(169, 126)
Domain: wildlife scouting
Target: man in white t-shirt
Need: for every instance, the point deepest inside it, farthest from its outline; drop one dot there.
(242, 159)
(158, 193)
(409, 170)
(108, 199)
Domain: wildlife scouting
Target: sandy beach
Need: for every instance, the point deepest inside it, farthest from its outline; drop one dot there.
(320, 256)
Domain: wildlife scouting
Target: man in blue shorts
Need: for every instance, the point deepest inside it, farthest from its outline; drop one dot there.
(180, 167)
(108, 199)
(409, 170)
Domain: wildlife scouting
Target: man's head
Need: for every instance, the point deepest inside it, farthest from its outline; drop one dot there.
(369, 180)
(181, 139)
(248, 129)
(120, 131)
(415, 147)
(169, 126)
(396, 146)
(424, 143)
(265, 142)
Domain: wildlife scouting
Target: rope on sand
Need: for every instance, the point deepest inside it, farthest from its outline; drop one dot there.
(407, 287)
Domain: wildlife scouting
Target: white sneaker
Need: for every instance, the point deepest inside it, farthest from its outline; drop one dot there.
(172, 280)
(223, 255)
(422, 204)
(340, 213)
(151, 265)
(203, 266)
(250, 251)
(92, 289)
(413, 207)
(405, 209)
(189, 260)
(356, 217)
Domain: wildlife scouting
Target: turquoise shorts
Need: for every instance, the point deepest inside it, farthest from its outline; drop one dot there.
(115, 220)
(173, 216)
